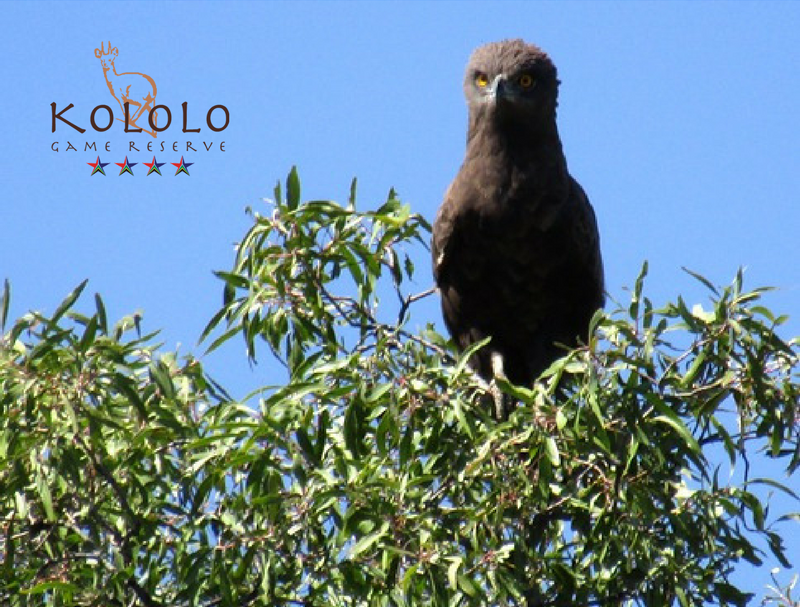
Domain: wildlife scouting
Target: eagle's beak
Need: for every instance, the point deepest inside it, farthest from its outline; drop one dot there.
(498, 90)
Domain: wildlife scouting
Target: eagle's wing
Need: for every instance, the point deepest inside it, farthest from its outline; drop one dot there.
(455, 265)
(442, 230)
(586, 239)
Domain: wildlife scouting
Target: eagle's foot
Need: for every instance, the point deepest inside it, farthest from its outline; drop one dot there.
(502, 406)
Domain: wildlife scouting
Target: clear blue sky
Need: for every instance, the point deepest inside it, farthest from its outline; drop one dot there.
(680, 119)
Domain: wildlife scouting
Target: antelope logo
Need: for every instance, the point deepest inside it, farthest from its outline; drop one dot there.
(132, 88)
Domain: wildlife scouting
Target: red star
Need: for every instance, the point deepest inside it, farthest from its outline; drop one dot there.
(126, 166)
(182, 166)
(97, 166)
(154, 166)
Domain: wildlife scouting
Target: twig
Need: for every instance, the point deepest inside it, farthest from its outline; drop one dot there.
(405, 302)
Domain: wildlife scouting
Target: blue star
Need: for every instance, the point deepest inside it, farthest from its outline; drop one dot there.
(126, 166)
(182, 166)
(97, 166)
(154, 166)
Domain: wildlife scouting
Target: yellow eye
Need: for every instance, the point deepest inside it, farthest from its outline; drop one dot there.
(481, 80)
(526, 81)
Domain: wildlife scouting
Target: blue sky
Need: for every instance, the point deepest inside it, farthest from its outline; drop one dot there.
(680, 119)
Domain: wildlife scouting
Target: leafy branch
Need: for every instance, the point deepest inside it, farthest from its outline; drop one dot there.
(375, 474)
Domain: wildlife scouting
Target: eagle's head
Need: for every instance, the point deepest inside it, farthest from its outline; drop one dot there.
(511, 83)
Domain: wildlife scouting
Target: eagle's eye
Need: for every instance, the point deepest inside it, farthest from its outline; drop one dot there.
(525, 81)
(481, 79)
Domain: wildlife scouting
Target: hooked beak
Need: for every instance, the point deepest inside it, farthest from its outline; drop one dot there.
(498, 89)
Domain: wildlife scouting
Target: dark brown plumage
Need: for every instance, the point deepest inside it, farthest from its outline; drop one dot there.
(515, 246)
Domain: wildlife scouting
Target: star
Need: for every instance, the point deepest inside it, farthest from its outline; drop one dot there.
(98, 166)
(154, 166)
(182, 166)
(126, 166)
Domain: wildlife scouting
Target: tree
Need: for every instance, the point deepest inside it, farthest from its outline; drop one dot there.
(376, 474)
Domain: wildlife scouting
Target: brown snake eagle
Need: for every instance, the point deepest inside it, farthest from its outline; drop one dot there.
(516, 253)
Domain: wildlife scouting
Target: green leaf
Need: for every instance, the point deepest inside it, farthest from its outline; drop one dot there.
(551, 451)
(636, 296)
(305, 445)
(160, 374)
(351, 200)
(365, 543)
(561, 420)
(771, 482)
(467, 586)
(5, 301)
(45, 496)
(467, 354)
(199, 500)
(323, 424)
(88, 334)
(353, 423)
(463, 421)
(701, 279)
(293, 190)
(67, 303)
(102, 318)
(674, 422)
(694, 369)
(49, 586)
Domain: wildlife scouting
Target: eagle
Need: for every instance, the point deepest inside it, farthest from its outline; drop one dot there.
(516, 250)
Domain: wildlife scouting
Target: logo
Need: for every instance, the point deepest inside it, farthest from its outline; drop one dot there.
(134, 95)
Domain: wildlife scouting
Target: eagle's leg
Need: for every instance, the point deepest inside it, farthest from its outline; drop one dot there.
(501, 404)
